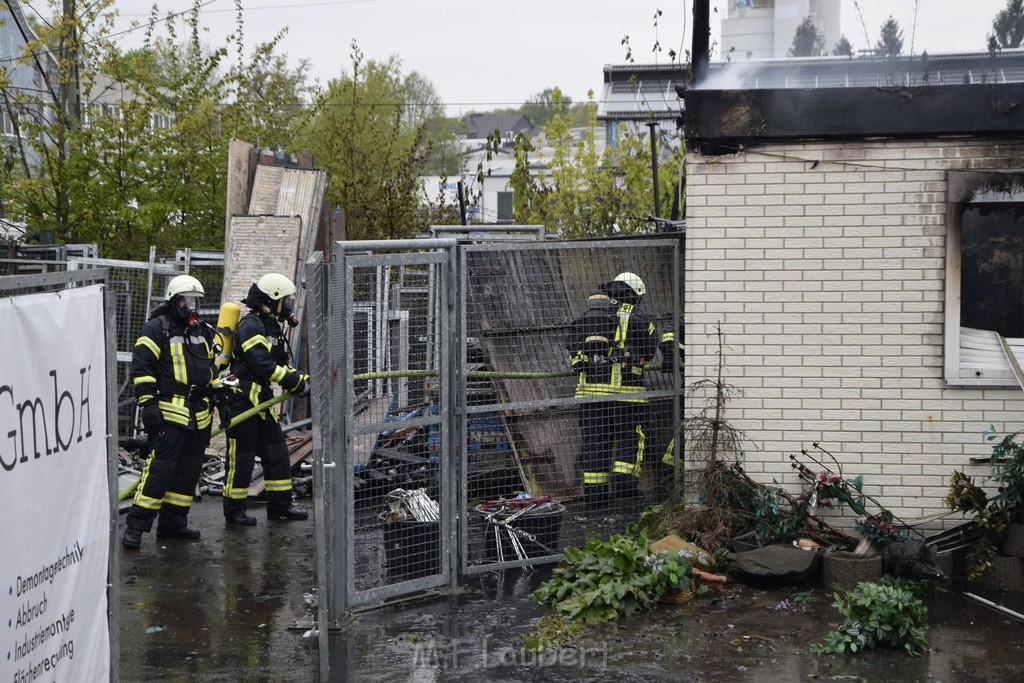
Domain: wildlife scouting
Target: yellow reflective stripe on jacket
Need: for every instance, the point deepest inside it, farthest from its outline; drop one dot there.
(615, 384)
(595, 478)
(254, 340)
(153, 347)
(278, 374)
(585, 389)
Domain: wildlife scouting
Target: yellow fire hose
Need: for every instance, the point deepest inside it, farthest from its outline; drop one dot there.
(127, 491)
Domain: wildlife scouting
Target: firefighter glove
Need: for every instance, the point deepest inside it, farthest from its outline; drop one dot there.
(302, 390)
(152, 418)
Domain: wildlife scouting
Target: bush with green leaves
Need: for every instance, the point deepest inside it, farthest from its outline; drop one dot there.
(991, 515)
(610, 578)
(877, 614)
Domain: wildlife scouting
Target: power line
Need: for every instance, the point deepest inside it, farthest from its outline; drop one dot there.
(289, 6)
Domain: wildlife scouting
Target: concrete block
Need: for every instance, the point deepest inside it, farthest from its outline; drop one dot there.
(1006, 574)
(845, 570)
(1013, 541)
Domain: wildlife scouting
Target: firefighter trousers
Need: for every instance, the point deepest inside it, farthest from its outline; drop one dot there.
(258, 436)
(169, 478)
(613, 449)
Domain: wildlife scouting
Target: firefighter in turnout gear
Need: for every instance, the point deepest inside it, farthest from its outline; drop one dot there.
(259, 357)
(175, 382)
(608, 346)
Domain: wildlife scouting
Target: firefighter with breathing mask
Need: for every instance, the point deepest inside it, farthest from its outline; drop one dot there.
(609, 344)
(258, 357)
(175, 384)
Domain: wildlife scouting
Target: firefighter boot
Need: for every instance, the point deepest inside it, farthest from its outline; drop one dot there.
(234, 513)
(173, 523)
(132, 539)
(183, 533)
(280, 508)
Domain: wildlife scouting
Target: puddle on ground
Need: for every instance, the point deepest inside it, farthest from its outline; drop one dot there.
(220, 610)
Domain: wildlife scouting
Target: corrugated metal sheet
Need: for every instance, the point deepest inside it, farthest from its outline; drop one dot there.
(279, 191)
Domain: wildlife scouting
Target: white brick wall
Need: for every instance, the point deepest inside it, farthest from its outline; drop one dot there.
(824, 264)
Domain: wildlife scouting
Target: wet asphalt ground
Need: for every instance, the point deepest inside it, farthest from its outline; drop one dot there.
(223, 609)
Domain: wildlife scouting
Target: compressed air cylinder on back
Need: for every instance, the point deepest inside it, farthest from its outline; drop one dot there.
(227, 323)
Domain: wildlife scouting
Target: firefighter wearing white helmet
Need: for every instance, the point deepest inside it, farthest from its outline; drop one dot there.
(260, 356)
(175, 381)
(608, 345)
(634, 282)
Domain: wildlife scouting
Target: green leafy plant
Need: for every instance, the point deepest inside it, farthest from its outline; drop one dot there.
(652, 520)
(992, 515)
(922, 589)
(1008, 469)
(877, 615)
(553, 630)
(879, 528)
(610, 578)
(803, 597)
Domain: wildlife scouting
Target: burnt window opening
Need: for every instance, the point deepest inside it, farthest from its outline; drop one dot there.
(984, 278)
(992, 267)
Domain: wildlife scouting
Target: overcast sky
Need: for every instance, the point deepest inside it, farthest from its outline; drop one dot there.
(482, 54)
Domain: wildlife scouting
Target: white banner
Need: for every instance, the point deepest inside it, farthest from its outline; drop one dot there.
(53, 488)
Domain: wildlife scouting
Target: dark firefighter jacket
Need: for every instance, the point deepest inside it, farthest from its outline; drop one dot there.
(258, 358)
(174, 365)
(608, 346)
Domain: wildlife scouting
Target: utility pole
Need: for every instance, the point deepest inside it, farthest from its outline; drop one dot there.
(653, 125)
(69, 33)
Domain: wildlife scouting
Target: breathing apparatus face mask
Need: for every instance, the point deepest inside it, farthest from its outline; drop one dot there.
(188, 309)
(284, 311)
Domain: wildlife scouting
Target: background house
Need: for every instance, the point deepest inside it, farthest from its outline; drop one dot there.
(855, 229)
(15, 34)
(635, 95)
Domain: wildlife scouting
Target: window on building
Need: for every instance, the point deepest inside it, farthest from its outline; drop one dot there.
(8, 124)
(984, 278)
(505, 207)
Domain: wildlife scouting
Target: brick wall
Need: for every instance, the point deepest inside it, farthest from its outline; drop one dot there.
(824, 265)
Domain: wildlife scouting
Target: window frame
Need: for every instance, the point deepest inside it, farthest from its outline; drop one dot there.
(961, 187)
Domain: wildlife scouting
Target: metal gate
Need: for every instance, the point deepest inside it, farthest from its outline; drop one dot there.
(387, 315)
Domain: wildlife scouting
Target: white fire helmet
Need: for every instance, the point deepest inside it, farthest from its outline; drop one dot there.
(183, 284)
(634, 282)
(276, 286)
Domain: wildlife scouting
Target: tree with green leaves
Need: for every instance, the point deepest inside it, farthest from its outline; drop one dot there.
(842, 48)
(808, 41)
(543, 106)
(145, 163)
(373, 146)
(890, 44)
(1007, 27)
(586, 193)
